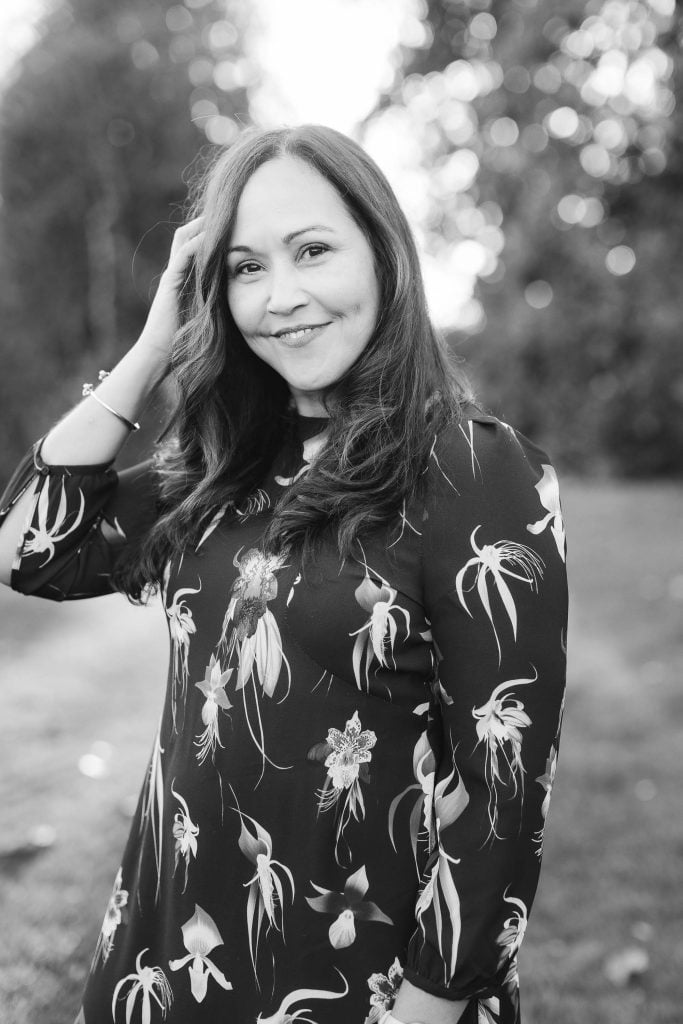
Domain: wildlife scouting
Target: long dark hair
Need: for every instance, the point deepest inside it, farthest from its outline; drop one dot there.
(232, 407)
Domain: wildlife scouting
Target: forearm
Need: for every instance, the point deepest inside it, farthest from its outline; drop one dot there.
(412, 1004)
(91, 434)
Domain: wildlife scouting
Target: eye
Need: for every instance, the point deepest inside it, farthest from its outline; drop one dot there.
(314, 249)
(246, 269)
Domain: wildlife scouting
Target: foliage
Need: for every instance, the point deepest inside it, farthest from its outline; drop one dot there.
(541, 159)
(98, 130)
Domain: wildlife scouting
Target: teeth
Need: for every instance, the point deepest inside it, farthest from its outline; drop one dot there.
(295, 335)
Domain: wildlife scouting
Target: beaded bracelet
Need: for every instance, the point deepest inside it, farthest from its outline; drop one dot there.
(88, 392)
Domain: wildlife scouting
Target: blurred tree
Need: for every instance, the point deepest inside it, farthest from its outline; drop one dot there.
(103, 121)
(542, 162)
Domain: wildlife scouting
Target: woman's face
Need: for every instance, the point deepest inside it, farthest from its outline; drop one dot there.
(302, 287)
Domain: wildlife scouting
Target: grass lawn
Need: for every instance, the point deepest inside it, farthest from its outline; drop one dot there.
(613, 865)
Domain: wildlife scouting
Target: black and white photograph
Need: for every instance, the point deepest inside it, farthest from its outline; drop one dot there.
(341, 496)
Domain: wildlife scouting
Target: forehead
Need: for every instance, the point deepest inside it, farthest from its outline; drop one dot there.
(283, 195)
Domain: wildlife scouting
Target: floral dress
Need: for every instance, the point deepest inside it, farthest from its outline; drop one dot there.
(353, 765)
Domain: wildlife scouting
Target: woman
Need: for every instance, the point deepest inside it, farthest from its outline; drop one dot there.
(363, 577)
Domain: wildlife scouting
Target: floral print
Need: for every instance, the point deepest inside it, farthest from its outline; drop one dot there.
(345, 749)
(266, 894)
(346, 763)
(151, 984)
(349, 907)
(499, 728)
(213, 687)
(250, 631)
(549, 492)
(112, 919)
(384, 989)
(200, 937)
(378, 636)
(495, 562)
(185, 833)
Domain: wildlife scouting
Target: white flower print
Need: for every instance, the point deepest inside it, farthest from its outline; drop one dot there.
(213, 687)
(283, 1015)
(378, 635)
(384, 988)
(546, 780)
(213, 523)
(200, 937)
(347, 756)
(253, 505)
(112, 919)
(250, 631)
(496, 561)
(469, 438)
(181, 627)
(499, 727)
(405, 522)
(488, 1010)
(42, 537)
(514, 929)
(153, 805)
(266, 895)
(348, 907)
(549, 492)
(312, 447)
(148, 982)
(440, 896)
(424, 766)
(185, 833)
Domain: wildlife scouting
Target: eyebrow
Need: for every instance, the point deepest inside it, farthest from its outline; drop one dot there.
(286, 238)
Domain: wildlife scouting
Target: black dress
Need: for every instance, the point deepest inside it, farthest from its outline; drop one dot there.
(353, 767)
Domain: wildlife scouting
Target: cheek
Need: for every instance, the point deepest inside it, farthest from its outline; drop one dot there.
(244, 305)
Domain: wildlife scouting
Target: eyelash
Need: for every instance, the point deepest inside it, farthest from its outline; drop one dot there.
(310, 245)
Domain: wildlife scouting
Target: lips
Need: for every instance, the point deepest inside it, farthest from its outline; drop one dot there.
(297, 337)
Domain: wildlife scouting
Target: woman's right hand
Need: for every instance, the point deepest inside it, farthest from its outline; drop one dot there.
(163, 317)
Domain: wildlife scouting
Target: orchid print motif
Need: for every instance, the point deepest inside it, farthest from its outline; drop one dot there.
(213, 687)
(440, 895)
(546, 780)
(346, 756)
(348, 907)
(312, 447)
(250, 631)
(200, 937)
(112, 919)
(185, 833)
(283, 1015)
(266, 895)
(253, 505)
(384, 989)
(514, 929)
(181, 627)
(488, 1010)
(499, 727)
(153, 805)
(549, 492)
(43, 538)
(151, 984)
(424, 766)
(495, 562)
(377, 636)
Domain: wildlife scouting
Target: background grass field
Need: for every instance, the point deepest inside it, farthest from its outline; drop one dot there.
(93, 672)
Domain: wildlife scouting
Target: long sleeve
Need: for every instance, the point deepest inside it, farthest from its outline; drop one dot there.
(80, 519)
(496, 597)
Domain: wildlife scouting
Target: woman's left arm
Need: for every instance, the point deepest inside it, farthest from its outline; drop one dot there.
(495, 592)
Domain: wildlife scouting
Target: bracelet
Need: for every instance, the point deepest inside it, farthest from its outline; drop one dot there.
(88, 392)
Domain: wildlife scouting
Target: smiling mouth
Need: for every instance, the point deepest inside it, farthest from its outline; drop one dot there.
(299, 333)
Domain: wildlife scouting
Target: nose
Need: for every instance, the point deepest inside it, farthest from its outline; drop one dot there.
(286, 292)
